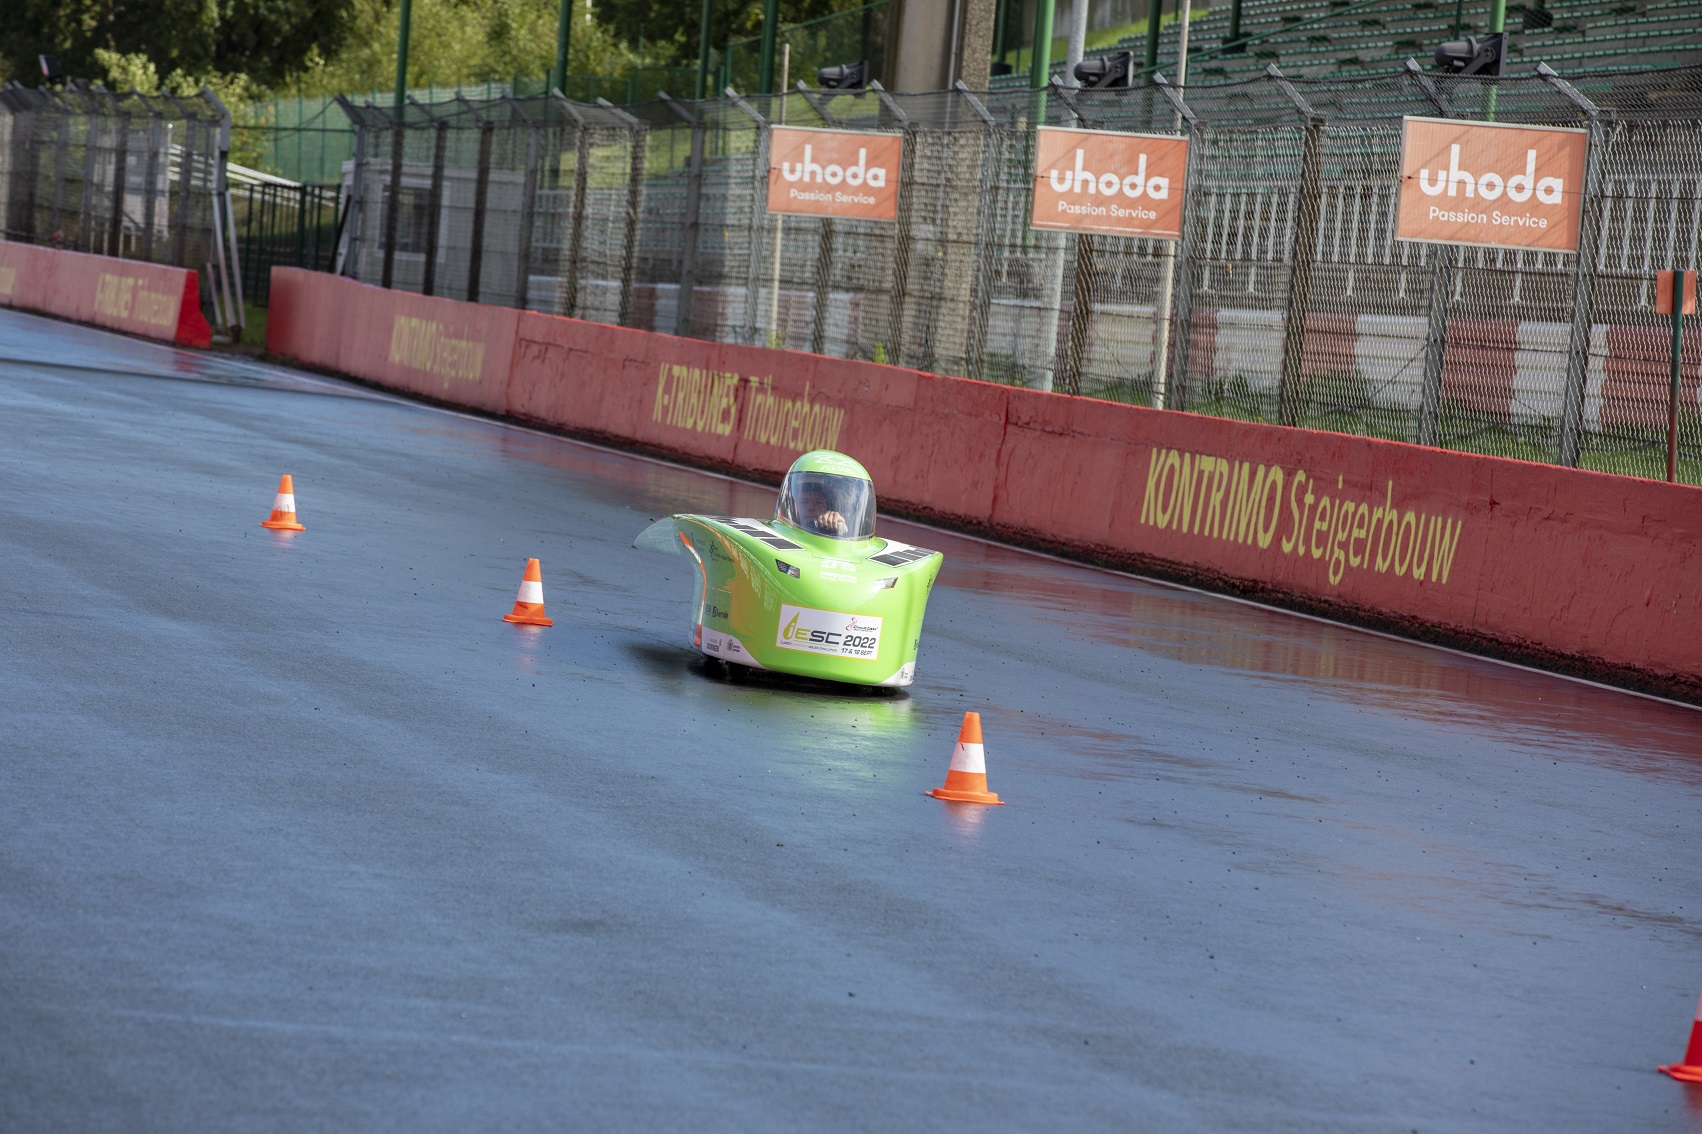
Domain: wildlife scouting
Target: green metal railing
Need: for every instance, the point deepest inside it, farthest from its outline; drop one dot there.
(282, 225)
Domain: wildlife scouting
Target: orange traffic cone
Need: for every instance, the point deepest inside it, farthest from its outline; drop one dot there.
(283, 509)
(966, 781)
(1690, 1071)
(529, 607)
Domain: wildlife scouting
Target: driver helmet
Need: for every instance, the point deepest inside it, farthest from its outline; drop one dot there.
(828, 494)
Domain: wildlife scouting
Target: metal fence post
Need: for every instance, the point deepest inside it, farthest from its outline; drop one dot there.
(759, 206)
(528, 207)
(634, 211)
(824, 284)
(185, 176)
(1301, 254)
(981, 288)
(225, 251)
(1680, 278)
(1435, 343)
(346, 257)
(1442, 264)
(434, 197)
(1068, 379)
(61, 156)
(254, 250)
(1175, 381)
(1081, 315)
(1584, 287)
(634, 207)
(304, 195)
(694, 199)
(233, 250)
(1177, 386)
(91, 142)
(393, 203)
(901, 246)
(150, 203)
(121, 156)
(567, 297)
(481, 202)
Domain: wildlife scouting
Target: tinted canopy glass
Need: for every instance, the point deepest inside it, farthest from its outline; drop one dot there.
(838, 507)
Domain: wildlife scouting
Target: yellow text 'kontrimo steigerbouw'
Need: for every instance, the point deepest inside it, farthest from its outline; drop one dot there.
(426, 344)
(1299, 514)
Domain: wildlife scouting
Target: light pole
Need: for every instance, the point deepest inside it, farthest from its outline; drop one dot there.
(1167, 265)
(1052, 271)
(564, 38)
(770, 17)
(1154, 25)
(1497, 24)
(402, 58)
(704, 23)
(1040, 62)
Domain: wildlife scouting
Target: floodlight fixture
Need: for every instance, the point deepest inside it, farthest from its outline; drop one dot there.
(1474, 55)
(844, 77)
(1115, 69)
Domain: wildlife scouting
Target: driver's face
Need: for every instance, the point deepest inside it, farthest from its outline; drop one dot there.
(816, 512)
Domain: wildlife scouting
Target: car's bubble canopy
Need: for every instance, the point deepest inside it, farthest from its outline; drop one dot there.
(828, 494)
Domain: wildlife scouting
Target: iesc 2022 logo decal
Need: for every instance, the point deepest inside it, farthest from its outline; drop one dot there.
(829, 632)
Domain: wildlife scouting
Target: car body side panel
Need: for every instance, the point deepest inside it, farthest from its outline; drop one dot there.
(771, 597)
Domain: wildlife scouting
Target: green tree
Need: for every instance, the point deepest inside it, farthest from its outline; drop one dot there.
(462, 41)
(672, 25)
(249, 48)
(267, 41)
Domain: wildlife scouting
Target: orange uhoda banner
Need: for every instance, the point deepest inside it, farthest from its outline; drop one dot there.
(1664, 289)
(1101, 181)
(1489, 183)
(834, 173)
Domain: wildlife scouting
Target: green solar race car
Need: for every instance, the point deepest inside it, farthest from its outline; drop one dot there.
(813, 592)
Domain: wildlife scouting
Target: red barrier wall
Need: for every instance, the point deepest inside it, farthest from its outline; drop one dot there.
(1548, 560)
(756, 409)
(454, 352)
(151, 300)
(1584, 570)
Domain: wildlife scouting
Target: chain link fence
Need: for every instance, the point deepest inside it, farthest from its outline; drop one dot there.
(1290, 300)
(1287, 298)
(130, 175)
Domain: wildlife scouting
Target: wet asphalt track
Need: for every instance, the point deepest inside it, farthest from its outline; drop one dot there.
(296, 834)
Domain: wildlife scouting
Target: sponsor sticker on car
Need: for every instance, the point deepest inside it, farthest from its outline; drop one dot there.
(829, 632)
(726, 647)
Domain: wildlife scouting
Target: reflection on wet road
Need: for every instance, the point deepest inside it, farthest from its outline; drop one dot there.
(296, 832)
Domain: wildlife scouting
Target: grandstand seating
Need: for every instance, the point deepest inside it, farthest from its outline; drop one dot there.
(1362, 38)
